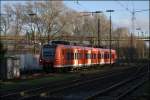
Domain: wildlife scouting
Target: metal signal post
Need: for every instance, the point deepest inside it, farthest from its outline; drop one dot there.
(110, 34)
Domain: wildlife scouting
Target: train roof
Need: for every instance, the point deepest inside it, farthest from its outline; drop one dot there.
(77, 46)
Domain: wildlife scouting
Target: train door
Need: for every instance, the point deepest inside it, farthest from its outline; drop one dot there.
(106, 57)
(85, 56)
(80, 55)
(97, 60)
(113, 56)
(99, 56)
(89, 57)
(63, 56)
(102, 57)
(93, 58)
(72, 56)
(75, 57)
(68, 57)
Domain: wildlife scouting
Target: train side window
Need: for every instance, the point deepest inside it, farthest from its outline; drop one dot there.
(98, 56)
(75, 55)
(80, 55)
(68, 56)
(72, 56)
(101, 56)
(86, 56)
(89, 56)
(94, 56)
(105, 56)
(109, 55)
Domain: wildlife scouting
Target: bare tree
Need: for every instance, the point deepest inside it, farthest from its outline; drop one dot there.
(6, 18)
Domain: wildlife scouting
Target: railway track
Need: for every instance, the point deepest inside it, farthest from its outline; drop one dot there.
(119, 90)
(49, 91)
(80, 90)
(57, 86)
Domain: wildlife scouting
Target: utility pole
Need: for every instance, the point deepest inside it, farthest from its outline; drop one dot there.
(138, 39)
(99, 29)
(118, 45)
(98, 32)
(0, 31)
(110, 11)
(33, 14)
(132, 45)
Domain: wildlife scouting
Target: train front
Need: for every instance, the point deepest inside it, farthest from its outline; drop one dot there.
(47, 57)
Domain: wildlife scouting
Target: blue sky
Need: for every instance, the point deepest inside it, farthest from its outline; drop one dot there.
(121, 17)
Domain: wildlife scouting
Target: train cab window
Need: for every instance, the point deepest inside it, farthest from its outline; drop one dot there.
(48, 52)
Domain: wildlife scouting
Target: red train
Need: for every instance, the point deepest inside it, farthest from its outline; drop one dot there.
(60, 56)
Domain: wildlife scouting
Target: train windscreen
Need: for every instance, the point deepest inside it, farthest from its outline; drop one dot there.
(48, 52)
